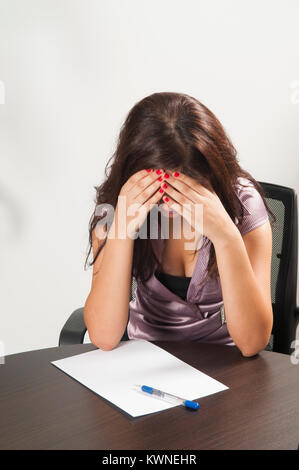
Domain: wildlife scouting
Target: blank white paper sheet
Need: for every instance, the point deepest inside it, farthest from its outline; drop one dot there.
(114, 374)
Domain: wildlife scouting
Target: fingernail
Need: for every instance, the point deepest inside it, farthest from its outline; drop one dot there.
(166, 199)
(176, 174)
(149, 170)
(166, 175)
(161, 190)
(160, 178)
(158, 172)
(165, 185)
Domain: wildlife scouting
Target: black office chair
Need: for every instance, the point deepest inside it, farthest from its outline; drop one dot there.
(283, 203)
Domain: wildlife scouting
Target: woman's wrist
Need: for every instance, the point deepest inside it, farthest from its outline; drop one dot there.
(227, 236)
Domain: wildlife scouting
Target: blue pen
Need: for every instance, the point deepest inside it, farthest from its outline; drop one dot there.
(168, 397)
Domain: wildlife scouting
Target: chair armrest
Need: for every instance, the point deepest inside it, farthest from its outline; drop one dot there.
(74, 329)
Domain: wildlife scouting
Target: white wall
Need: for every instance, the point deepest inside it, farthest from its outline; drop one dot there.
(72, 69)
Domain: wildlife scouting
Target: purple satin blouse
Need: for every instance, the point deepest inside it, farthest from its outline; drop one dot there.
(156, 313)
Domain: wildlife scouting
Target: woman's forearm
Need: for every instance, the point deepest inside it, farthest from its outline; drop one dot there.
(106, 307)
(248, 314)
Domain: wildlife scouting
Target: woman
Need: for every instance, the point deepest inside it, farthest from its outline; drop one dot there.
(173, 156)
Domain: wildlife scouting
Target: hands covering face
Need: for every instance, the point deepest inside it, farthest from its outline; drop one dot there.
(201, 207)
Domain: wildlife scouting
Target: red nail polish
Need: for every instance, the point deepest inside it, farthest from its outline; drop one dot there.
(176, 174)
(166, 199)
(166, 175)
(158, 172)
(161, 190)
(165, 185)
(160, 178)
(148, 170)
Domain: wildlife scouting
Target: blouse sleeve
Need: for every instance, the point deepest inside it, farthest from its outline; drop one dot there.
(255, 212)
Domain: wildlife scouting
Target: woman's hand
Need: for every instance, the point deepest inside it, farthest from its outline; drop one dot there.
(135, 200)
(183, 194)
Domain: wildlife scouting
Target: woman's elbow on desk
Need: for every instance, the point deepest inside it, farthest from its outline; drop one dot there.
(99, 343)
(104, 347)
(95, 337)
(251, 351)
(255, 341)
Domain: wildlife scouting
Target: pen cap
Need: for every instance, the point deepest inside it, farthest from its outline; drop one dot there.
(191, 404)
(147, 389)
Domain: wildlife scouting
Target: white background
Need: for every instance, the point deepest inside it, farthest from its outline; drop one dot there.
(72, 69)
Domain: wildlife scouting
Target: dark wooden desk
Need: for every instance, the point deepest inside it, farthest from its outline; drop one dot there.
(43, 408)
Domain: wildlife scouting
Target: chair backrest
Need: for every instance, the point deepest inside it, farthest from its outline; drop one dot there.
(283, 203)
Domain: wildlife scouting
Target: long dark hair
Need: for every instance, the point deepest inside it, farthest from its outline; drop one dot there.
(172, 130)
